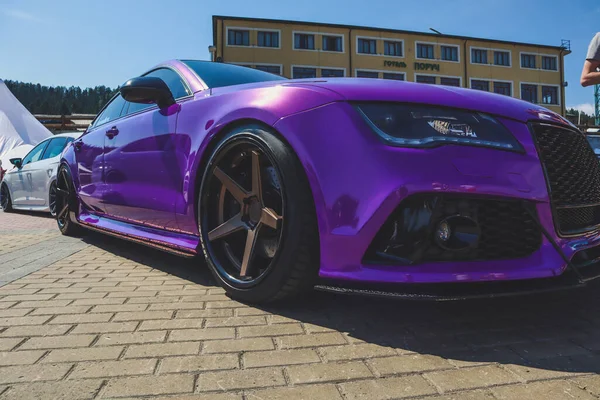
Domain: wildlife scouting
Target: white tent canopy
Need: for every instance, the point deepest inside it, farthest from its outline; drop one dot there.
(17, 125)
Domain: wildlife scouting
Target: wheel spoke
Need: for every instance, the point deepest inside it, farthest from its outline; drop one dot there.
(256, 178)
(226, 228)
(64, 178)
(249, 250)
(63, 212)
(232, 186)
(61, 191)
(270, 218)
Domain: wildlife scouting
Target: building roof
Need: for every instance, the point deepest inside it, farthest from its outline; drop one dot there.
(366, 28)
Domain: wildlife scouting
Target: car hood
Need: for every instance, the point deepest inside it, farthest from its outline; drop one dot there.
(365, 89)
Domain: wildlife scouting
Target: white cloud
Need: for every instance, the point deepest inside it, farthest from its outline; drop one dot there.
(587, 108)
(21, 15)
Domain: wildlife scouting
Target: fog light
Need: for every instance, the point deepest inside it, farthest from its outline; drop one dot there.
(457, 233)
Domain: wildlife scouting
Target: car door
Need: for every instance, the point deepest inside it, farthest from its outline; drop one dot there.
(142, 173)
(89, 154)
(43, 170)
(22, 181)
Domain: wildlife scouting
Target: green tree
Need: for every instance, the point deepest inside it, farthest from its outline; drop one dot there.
(40, 99)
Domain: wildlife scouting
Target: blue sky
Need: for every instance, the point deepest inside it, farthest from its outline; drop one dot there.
(88, 43)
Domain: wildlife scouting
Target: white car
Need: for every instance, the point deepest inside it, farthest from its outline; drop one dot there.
(31, 184)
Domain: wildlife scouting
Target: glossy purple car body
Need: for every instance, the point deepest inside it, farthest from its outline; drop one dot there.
(385, 205)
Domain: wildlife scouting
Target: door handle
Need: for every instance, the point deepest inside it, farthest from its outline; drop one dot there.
(112, 132)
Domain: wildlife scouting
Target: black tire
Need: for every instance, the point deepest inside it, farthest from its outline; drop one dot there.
(52, 199)
(291, 265)
(5, 200)
(66, 203)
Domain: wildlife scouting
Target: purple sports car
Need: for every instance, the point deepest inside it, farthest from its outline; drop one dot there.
(350, 185)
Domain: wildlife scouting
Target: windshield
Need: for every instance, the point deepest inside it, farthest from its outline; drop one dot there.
(595, 143)
(216, 74)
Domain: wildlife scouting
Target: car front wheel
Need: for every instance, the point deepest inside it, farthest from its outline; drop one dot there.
(256, 217)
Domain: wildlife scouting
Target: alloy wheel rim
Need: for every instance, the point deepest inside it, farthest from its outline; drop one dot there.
(243, 213)
(62, 198)
(4, 197)
(52, 199)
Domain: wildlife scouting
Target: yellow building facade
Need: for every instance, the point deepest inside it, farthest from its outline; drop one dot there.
(296, 49)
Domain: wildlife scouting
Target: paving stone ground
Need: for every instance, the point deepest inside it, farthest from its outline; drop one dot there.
(98, 318)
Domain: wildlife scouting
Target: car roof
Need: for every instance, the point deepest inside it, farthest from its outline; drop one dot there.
(66, 134)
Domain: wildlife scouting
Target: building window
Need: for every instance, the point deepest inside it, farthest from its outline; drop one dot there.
(528, 60)
(449, 53)
(502, 58)
(479, 56)
(450, 82)
(304, 41)
(529, 93)
(550, 95)
(268, 39)
(480, 85)
(425, 51)
(332, 43)
(367, 74)
(549, 63)
(504, 88)
(236, 37)
(393, 76)
(304, 72)
(425, 79)
(391, 48)
(332, 73)
(367, 46)
(273, 69)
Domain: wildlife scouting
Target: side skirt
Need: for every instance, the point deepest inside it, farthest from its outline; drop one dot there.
(175, 243)
(32, 208)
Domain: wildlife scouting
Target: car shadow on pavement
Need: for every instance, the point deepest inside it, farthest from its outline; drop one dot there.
(193, 270)
(557, 332)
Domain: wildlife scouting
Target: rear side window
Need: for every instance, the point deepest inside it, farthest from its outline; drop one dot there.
(55, 147)
(111, 112)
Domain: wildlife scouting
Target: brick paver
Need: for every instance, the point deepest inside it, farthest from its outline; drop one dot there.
(97, 318)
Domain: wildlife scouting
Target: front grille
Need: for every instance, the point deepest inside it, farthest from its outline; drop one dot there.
(573, 174)
(577, 219)
(508, 231)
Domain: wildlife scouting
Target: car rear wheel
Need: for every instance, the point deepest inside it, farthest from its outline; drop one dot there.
(256, 217)
(66, 203)
(52, 199)
(5, 201)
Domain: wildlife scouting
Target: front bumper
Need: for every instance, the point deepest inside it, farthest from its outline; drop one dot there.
(463, 291)
(358, 182)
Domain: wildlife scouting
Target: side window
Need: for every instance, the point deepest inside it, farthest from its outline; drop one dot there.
(55, 147)
(173, 81)
(36, 153)
(111, 112)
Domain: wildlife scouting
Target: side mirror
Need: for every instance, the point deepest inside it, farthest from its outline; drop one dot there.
(147, 90)
(17, 162)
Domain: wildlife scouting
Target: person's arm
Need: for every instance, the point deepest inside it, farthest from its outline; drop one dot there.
(590, 74)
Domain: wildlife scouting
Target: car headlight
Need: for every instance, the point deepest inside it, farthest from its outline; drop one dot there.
(412, 125)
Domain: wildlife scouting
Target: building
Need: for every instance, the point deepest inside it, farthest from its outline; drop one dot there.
(295, 49)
